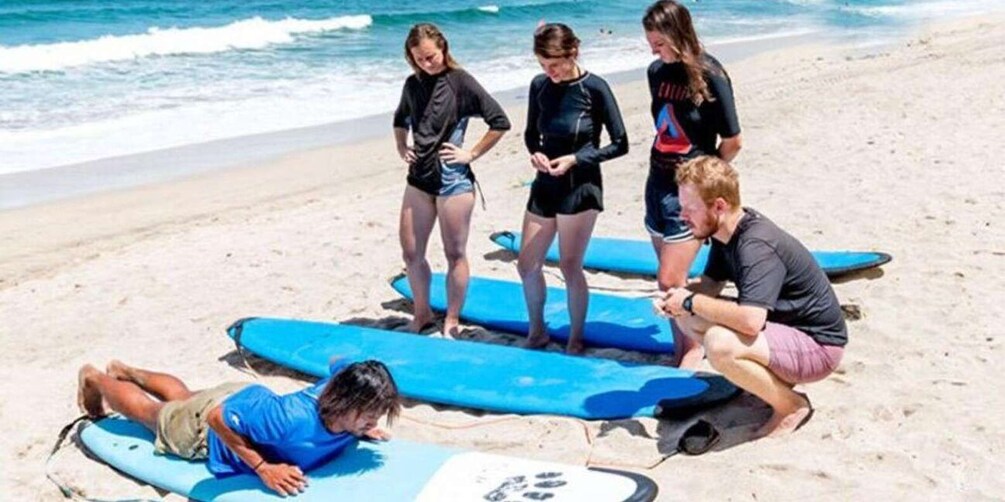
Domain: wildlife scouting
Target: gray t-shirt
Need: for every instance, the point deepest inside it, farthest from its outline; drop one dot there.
(771, 269)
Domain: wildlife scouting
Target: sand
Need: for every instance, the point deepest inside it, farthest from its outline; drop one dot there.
(896, 149)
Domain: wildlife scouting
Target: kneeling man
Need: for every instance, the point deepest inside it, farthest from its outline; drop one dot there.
(785, 327)
(240, 428)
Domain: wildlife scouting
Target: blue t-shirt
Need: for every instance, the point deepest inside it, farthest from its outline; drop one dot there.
(283, 429)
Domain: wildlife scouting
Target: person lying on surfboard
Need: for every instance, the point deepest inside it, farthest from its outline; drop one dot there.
(785, 327)
(242, 428)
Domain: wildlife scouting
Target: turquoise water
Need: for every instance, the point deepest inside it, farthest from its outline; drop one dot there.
(83, 80)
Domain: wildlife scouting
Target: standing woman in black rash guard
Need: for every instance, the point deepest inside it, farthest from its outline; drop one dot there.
(694, 112)
(436, 102)
(567, 108)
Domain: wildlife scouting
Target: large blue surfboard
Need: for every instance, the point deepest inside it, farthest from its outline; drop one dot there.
(486, 376)
(637, 257)
(395, 470)
(611, 321)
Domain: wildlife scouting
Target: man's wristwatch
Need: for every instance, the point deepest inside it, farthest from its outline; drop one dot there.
(688, 303)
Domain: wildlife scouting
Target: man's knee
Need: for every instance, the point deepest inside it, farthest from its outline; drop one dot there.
(687, 325)
(722, 345)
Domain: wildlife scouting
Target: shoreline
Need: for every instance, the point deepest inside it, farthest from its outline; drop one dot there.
(24, 189)
(132, 208)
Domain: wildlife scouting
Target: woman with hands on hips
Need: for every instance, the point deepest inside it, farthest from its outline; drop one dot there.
(436, 103)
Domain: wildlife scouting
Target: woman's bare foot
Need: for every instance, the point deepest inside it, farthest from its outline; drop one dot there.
(575, 346)
(451, 327)
(786, 421)
(88, 398)
(420, 322)
(536, 341)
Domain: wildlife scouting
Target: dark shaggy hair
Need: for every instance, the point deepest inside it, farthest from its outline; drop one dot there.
(361, 387)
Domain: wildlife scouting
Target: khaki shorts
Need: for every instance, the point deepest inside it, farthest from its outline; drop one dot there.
(182, 426)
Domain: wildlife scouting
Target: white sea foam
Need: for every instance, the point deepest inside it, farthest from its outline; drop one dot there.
(491, 9)
(926, 10)
(212, 112)
(253, 33)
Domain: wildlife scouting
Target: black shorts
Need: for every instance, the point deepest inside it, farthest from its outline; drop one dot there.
(554, 196)
(662, 218)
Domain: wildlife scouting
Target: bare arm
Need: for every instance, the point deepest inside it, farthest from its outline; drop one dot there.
(744, 319)
(282, 478)
(706, 285)
(489, 140)
(730, 147)
(457, 155)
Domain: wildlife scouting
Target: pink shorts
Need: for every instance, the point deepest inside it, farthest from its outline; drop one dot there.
(797, 358)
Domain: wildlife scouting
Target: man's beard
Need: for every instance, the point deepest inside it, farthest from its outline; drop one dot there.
(709, 230)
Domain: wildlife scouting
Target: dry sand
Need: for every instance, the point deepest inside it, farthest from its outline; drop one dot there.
(896, 149)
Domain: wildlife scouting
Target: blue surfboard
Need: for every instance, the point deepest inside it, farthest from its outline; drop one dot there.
(611, 321)
(395, 470)
(637, 257)
(486, 376)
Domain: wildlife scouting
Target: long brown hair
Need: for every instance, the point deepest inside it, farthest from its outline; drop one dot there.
(673, 21)
(423, 31)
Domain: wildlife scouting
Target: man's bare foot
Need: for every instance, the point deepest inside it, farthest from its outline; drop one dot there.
(575, 346)
(536, 341)
(691, 359)
(88, 398)
(783, 422)
(119, 370)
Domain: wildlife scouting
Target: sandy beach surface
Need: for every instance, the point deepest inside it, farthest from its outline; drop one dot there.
(896, 149)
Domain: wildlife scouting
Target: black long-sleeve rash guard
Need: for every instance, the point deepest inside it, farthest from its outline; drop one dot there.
(436, 107)
(567, 118)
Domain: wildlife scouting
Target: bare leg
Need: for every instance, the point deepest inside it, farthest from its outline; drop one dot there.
(162, 385)
(538, 232)
(675, 262)
(691, 331)
(573, 235)
(126, 398)
(418, 215)
(744, 361)
(455, 224)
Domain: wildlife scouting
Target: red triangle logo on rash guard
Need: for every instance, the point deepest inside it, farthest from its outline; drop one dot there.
(670, 136)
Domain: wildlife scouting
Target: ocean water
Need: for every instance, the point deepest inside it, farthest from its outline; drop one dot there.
(89, 79)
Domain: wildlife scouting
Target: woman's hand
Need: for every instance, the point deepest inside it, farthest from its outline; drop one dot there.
(284, 479)
(540, 161)
(561, 165)
(407, 154)
(453, 154)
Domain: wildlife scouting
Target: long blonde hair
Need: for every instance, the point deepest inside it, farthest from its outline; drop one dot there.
(673, 21)
(423, 31)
